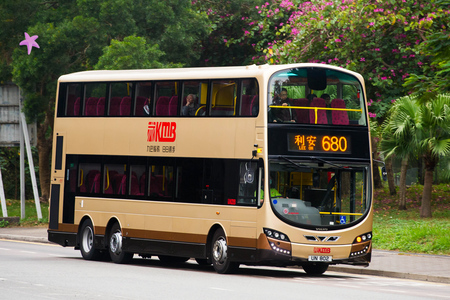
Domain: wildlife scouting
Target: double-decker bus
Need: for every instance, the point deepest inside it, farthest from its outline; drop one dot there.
(255, 165)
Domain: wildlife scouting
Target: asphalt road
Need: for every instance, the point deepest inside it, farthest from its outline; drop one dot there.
(46, 271)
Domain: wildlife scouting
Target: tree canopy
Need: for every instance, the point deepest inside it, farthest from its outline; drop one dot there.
(383, 40)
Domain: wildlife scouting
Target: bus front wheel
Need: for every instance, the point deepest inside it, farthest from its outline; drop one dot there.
(87, 248)
(115, 246)
(220, 255)
(315, 269)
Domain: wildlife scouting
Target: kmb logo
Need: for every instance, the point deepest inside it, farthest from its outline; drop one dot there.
(322, 250)
(161, 132)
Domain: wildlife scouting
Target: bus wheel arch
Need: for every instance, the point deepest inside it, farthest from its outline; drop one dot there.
(113, 240)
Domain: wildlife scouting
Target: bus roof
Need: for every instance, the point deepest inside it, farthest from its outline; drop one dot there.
(188, 73)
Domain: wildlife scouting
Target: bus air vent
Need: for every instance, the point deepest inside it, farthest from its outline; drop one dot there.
(310, 238)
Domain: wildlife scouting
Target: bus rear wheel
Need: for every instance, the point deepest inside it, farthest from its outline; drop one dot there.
(315, 269)
(115, 246)
(87, 248)
(220, 255)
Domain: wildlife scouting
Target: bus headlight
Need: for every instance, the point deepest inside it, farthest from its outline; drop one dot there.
(363, 238)
(276, 235)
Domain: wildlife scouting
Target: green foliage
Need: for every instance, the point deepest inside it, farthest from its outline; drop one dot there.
(4, 223)
(131, 53)
(227, 19)
(382, 40)
(404, 230)
(30, 219)
(10, 167)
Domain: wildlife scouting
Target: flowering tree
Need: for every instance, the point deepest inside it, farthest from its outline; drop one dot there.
(382, 40)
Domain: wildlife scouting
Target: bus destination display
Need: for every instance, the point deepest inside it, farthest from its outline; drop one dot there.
(319, 143)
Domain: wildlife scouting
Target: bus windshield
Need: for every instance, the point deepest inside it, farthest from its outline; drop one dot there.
(314, 95)
(319, 194)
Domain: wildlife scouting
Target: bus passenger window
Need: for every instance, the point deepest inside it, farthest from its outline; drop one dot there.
(93, 92)
(165, 92)
(144, 103)
(72, 94)
(114, 179)
(89, 178)
(161, 181)
(136, 186)
(120, 99)
(249, 99)
(194, 98)
(223, 98)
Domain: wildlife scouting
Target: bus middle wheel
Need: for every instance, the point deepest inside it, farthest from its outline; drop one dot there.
(115, 246)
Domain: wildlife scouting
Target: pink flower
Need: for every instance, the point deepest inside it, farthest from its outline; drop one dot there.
(362, 59)
(337, 40)
(225, 40)
(372, 115)
(383, 78)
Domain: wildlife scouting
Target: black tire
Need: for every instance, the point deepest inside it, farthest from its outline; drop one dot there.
(87, 248)
(219, 254)
(202, 262)
(115, 246)
(172, 259)
(315, 268)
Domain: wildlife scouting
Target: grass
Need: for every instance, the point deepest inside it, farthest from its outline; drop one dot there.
(31, 219)
(404, 230)
(392, 229)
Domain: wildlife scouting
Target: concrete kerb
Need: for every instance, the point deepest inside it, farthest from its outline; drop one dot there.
(391, 274)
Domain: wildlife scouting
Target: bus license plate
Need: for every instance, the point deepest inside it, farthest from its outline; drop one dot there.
(320, 258)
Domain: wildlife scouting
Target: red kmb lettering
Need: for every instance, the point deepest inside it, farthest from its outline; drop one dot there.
(322, 250)
(161, 132)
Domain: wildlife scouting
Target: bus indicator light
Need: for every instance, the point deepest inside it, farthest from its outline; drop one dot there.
(231, 201)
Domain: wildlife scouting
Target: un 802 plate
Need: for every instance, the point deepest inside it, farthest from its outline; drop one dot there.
(320, 258)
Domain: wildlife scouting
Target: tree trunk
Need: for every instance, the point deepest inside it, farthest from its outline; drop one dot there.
(390, 176)
(430, 160)
(420, 171)
(44, 145)
(402, 200)
(376, 172)
(425, 208)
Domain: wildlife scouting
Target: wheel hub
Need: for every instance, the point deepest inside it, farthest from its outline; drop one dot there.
(88, 239)
(115, 243)
(220, 250)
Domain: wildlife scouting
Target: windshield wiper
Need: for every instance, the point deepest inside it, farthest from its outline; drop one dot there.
(327, 162)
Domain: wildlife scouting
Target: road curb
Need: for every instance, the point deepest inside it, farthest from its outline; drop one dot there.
(402, 275)
(24, 238)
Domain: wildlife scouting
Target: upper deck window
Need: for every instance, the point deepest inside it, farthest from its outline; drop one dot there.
(315, 96)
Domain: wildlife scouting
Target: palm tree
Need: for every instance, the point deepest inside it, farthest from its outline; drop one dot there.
(433, 140)
(424, 130)
(398, 136)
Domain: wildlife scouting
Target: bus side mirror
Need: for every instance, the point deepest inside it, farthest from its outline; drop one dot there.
(384, 173)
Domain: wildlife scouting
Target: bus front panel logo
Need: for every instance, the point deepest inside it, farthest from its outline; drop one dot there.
(161, 132)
